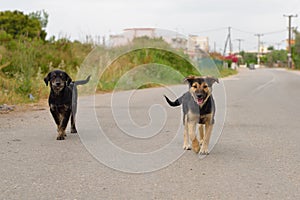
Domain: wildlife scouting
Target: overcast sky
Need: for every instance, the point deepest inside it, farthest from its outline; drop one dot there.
(78, 18)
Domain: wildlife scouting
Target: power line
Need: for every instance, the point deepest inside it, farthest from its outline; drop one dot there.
(228, 43)
(211, 30)
(274, 32)
(248, 32)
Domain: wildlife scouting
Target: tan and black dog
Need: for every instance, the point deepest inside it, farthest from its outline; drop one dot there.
(63, 100)
(198, 108)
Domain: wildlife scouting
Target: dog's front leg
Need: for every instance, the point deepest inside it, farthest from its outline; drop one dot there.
(204, 147)
(186, 145)
(192, 133)
(201, 133)
(55, 115)
(192, 121)
(63, 125)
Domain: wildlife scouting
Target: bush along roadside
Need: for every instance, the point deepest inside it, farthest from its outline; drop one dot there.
(24, 62)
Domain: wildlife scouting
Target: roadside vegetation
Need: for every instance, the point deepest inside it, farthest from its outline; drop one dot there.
(275, 57)
(26, 56)
(296, 51)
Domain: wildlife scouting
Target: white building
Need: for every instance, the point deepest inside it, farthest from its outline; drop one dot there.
(198, 42)
(174, 39)
(118, 40)
(129, 34)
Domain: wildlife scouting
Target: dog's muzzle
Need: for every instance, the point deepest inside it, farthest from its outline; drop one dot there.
(57, 87)
(200, 99)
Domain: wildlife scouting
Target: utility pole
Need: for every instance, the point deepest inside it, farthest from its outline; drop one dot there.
(258, 47)
(289, 41)
(278, 45)
(228, 41)
(239, 40)
(215, 47)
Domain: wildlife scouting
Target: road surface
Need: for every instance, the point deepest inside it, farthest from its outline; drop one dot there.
(256, 157)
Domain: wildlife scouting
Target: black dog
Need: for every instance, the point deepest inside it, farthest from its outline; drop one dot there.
(63, 100)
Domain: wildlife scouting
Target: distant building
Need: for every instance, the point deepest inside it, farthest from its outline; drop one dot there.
(118, 40)
(197, 44)
(172, 38)
(262, 50)
(132, 33)
(129, 34)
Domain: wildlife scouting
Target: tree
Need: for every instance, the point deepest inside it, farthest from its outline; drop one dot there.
(17, 24)
(277, 57)
(248, 57)
(42, 16)
(296, 50)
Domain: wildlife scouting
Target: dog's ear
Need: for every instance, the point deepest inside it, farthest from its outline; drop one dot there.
(210, 80)
(47, 78)
(189, 79)
(68, 79)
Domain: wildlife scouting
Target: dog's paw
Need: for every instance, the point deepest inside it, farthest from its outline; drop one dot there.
(73, 130)
(195, 145)
(60, 137)
(204, 151)
(186, 147)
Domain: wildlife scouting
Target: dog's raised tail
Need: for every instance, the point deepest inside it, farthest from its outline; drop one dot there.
(171, 103)
(82, 82)
(75, 93)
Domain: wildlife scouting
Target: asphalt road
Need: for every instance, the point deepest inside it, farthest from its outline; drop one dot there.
(256, 157)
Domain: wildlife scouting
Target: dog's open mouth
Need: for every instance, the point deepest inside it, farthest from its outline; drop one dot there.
(57, 88)
(200, 100)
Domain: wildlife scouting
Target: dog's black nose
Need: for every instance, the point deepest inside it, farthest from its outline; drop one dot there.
(200, 96)
(57, 83)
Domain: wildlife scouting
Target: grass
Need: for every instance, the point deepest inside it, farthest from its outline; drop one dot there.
(142, 64)
(24, 63)
(227, 72)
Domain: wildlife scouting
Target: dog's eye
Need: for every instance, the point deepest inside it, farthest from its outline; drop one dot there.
(205, 86)
(194, 86)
